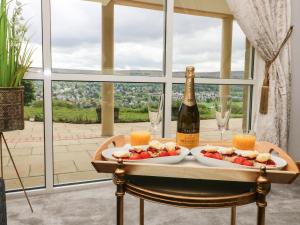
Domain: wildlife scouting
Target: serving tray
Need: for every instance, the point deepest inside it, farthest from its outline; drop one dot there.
(191, 169)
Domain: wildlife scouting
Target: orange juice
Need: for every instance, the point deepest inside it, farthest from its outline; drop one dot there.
(140, 138)
(244, 141)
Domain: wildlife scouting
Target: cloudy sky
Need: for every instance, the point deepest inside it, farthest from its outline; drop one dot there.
(76, 38)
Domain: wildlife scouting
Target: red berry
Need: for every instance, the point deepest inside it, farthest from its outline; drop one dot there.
(239, 160)
(247, 163)
(209, 154)
(217, 155)
(135, 156)
(163, 153)
(172, 153)
(145, 155)
(270, 162)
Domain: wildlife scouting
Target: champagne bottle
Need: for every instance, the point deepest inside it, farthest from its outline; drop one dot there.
(188, 115)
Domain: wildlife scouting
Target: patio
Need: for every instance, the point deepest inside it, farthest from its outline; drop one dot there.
(73, 146)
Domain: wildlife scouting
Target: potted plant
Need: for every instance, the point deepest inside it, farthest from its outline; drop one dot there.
(15, 59)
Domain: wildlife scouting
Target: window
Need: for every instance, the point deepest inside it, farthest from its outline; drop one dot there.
(32, 15)
(120, 52)
(77, 123)
(76, 34)
(205, 95)
(139, 41)
(27, 146)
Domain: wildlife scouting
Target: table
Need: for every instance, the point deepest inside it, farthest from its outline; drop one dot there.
(193, 186)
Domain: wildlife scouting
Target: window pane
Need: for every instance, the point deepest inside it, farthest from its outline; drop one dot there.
(27, 146)
(127, 39)
(139, 40)
(32, 15)
(198, 39)
(77, 123)
(76, 40)
(205, 95)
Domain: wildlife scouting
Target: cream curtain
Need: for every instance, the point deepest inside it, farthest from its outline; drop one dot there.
(266, 23)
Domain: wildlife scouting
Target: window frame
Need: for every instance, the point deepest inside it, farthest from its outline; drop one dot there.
(47, 76)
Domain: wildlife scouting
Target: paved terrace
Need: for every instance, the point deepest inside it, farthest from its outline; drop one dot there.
(73, 146)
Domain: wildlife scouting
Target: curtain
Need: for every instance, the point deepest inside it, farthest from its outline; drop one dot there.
(266, 24)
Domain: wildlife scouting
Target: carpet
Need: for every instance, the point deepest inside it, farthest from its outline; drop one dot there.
(96, 206)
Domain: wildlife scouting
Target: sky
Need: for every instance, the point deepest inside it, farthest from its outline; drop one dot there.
(76, 38)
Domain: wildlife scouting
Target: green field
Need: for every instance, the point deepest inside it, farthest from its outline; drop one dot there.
(70, 114)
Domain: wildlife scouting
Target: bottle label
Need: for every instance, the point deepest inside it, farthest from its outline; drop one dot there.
(187, 140)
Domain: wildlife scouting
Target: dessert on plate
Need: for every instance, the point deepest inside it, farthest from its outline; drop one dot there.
(153, 150)
(245, 158)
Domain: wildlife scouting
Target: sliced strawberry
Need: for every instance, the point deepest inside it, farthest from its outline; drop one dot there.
(145, 155)
(150, 149)
(209, 154)
(217, 155)
(135, 156)
(270, 162)
(239, 160)
(163, 153)
(172, 153)
(247, 163)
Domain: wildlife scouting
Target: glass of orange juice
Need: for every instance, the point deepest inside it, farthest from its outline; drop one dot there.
(140, 137)
(244, 140)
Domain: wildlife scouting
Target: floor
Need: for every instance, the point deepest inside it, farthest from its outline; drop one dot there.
(96, 206)
(73, 146)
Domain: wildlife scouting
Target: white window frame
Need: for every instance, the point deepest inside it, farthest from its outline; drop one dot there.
(47, 76)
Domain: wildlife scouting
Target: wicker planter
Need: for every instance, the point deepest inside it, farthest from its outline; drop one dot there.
(11, 109)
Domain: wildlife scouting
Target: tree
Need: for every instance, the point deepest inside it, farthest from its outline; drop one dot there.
(29, 91)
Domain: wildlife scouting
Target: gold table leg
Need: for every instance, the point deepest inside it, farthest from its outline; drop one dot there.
(142, 211)
(120, 183)
(262, 188)
(233, 215)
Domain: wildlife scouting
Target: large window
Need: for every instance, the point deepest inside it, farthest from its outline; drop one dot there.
(101, 59)
(27, 146)
(77, 123)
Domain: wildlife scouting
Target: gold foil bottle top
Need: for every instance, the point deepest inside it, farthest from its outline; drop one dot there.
(190, 72)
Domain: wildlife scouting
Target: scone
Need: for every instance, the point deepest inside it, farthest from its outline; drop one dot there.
(156, 144)
(263, 157)
(210, 148)
(226, 151)
(248, 154)
(121, 154)
(170, 146)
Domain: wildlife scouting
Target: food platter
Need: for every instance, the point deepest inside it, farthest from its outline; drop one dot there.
(213, 162)
(108, 155)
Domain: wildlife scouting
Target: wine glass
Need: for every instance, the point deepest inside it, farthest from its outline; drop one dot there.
(222, 107)
(155, 110)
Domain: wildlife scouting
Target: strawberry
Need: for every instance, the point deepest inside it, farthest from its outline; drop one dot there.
(239, 160)
(217, 155)
(209, 154)
(247, 163)
(145, 155)
(135, 156)
(163, 154)
(172, 153)
(270, 162)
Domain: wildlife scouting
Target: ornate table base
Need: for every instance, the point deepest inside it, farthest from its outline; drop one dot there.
(191, 193)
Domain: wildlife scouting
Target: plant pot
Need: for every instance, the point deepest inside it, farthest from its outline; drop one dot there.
(11, 109)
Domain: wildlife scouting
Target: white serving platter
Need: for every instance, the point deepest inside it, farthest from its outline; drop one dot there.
(108, 155)
(196, 152)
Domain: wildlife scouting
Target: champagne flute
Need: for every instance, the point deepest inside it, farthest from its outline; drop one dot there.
(155, 111)
(223, 108)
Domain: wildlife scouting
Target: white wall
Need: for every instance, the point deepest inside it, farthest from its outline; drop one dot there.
(294, 140)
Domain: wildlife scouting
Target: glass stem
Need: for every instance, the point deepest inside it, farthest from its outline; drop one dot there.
(222, 135)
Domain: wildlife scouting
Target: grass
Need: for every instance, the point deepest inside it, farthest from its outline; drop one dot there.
(126, 115)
